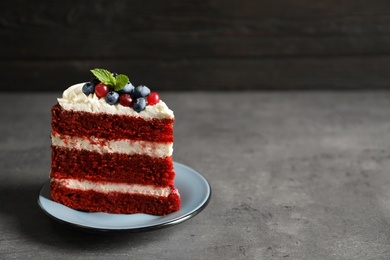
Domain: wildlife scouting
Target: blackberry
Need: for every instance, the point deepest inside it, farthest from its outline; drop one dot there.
(95, 81)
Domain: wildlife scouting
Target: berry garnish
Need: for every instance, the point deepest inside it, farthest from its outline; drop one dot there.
(128, 89)
(141, 91)
(88, 88)
(139, 104)
(112, 97)
(116, 88)
(114, 80)
(126, 100)
(101, 90)
(95, 81)
(153, 98)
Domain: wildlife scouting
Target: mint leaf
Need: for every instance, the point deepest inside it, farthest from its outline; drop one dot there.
(121, 81)
(117, 83)
(104, 76)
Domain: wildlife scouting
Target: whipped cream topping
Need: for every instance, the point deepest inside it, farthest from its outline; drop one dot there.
(73, 98)
(105, 187)
(124, 146)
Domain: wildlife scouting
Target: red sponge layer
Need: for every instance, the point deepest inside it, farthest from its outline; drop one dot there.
(111, 167)
(115, 202)
(100, 125)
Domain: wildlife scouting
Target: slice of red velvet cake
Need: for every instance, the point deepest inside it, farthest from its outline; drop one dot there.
(112, 148)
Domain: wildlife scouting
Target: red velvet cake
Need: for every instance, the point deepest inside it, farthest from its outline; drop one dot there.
(112, 148)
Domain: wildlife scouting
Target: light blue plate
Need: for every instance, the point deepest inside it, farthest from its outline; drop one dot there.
(195, 193)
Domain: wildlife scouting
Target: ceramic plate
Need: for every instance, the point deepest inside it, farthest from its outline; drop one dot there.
(195, 193)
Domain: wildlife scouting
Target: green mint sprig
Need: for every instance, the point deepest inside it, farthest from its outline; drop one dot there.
(106, 77)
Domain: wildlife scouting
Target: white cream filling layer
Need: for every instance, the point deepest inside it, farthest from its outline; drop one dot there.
(73, 98)
(111, 187)
(124, 146)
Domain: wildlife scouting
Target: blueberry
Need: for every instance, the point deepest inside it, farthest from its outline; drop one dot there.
(114, 74)
(128, 89)
(88, 88)
(112, 97)
(141, 91)
(139, 104)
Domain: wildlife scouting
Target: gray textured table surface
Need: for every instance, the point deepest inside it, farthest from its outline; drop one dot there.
(297, 175)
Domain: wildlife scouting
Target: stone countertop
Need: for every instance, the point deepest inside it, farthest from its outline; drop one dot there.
(294, 175)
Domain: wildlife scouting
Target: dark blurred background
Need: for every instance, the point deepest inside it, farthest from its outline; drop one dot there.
(197, 44)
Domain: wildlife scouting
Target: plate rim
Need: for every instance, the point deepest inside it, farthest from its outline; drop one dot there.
(175, 221)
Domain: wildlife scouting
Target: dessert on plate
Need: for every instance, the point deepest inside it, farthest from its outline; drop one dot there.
(112, 148)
